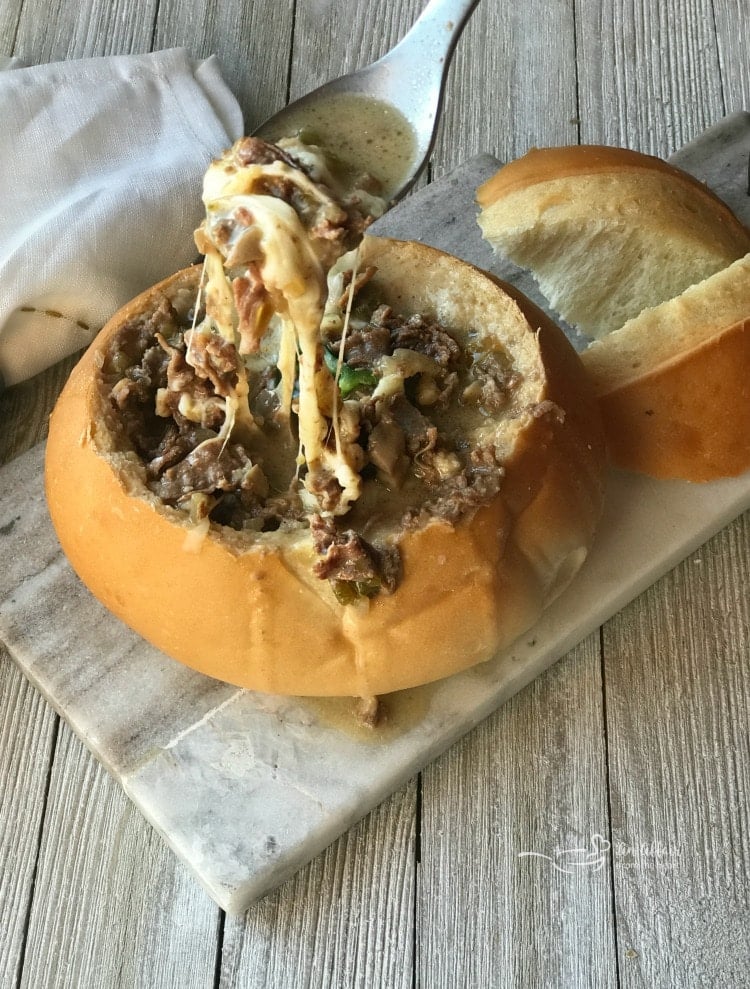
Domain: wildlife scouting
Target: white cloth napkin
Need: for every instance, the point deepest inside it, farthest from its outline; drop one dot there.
(101, 175)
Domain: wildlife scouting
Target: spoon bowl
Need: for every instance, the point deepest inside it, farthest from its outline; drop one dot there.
(383, 118)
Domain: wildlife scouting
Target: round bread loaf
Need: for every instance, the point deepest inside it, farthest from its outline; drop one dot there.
(607, 232)
(648, 261)
(477, 561)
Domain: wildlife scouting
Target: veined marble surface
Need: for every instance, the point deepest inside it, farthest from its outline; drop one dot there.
(245, 787)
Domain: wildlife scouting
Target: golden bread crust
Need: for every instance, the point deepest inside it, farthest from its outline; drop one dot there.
(253, 614)
(688, 418)
(544, 165)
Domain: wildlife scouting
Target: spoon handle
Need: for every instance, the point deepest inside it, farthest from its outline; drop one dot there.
(430, 42)
(411, 76)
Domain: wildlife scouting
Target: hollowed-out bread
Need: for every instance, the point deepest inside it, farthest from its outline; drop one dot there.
(246, 606)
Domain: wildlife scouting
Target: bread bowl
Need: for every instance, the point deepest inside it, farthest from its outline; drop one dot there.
(254, 602)
(648, 262)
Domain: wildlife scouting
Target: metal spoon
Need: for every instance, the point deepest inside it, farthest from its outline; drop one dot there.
(407, 82)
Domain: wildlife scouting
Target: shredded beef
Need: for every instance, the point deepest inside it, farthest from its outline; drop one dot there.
(492, 384)
(193, 383)
(415, 333)
(387, 332)
(345, 556)
(389, 563)
(444, 389)
(141, 380)
(242, 510)
(430, 339)
(148, 396)
(475, 485)
(361, 279)
(332, 229)
(363, 348)
(289, 192)
(211, 466)
(264, 399)
(179, 372)
(256, 151)
(163, 320)
(148, 362)
(175, 444)
(383, 316)
(324, 485)
(419, 433)
(214, 359)
(340, 224)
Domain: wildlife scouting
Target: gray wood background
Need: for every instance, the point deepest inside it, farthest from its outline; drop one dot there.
(640, 735)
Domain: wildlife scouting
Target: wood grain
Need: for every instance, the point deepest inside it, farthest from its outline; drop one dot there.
(648, 72)
(656, 71)
(511, 87)
(61, 29)
(494, 901)
(733, 43)
(28, 730)
(344, 920)
(252, 41)
(531, 779)
(112, 905)
(25, 409)
(680, 776)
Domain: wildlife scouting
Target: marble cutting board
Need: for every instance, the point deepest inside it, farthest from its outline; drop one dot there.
(244, 787)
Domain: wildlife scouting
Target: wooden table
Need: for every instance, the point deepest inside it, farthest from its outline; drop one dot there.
(640, 735)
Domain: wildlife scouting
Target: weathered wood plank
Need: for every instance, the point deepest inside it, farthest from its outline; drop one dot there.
(332, 39)
(512, 84)
(344, 920)
(648, 73)
(252, 41)
(482, 805)
(9, 16)
(25, 409)
(112, 905)
(60, 29)
(529, 782)
(27, 736)
(653, 76)
(732, 23)
(678, 707)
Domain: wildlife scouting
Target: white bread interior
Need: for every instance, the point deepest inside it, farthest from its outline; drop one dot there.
(649, 262)
(607, 232)
(673, 383)
(677, 327)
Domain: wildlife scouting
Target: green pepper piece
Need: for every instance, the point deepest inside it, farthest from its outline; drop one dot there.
(350, 379)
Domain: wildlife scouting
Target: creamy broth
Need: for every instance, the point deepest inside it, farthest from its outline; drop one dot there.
(399, 712)
(364, 135)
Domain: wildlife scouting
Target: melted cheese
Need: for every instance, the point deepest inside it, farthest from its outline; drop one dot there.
(242, 227)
